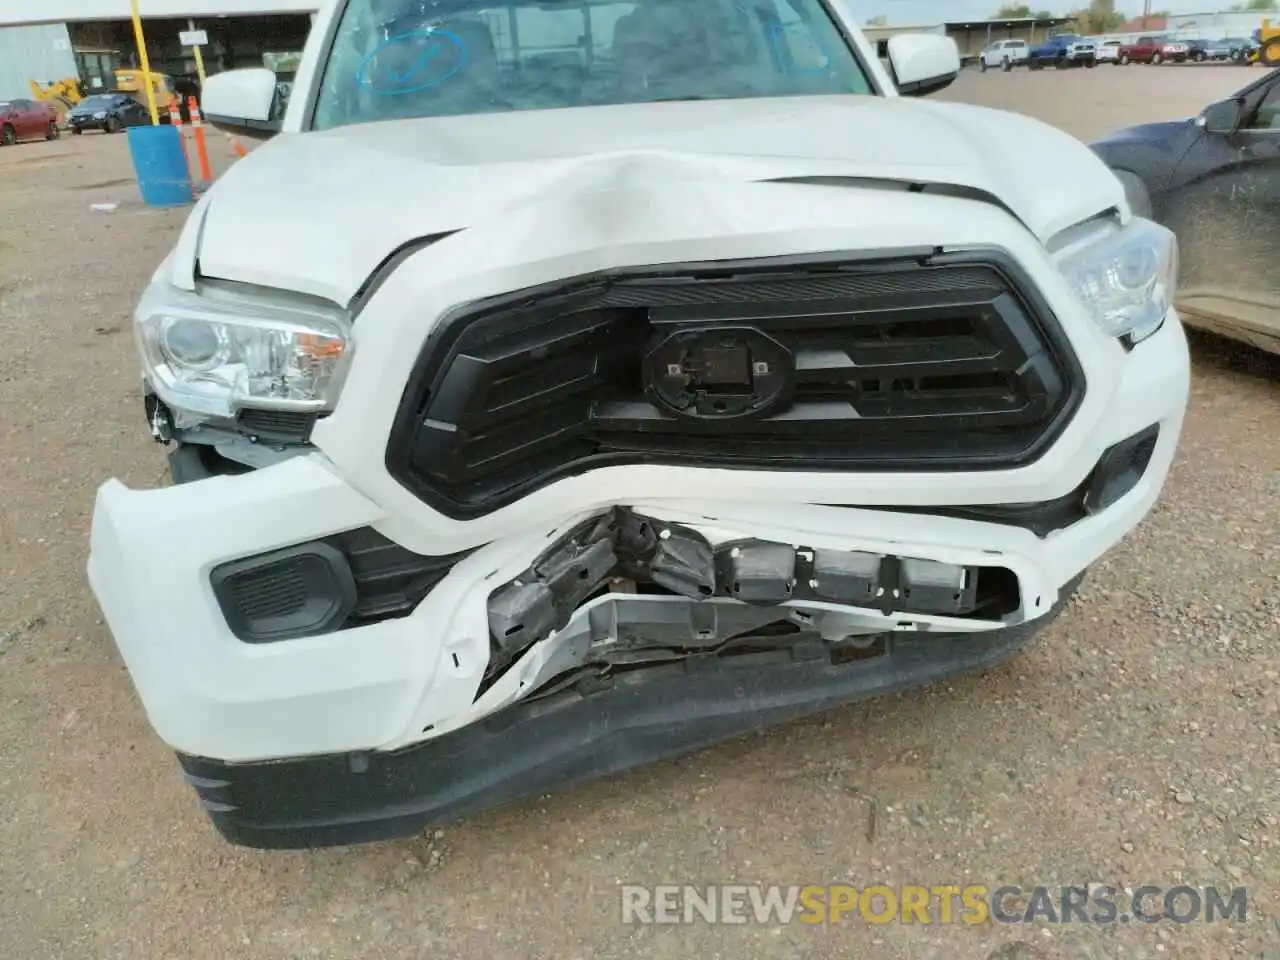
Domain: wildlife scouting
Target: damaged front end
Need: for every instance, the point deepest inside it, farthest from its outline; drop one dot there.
(631, 640)
(625, 591)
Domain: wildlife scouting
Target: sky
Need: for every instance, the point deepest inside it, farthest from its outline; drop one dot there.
(936, 11)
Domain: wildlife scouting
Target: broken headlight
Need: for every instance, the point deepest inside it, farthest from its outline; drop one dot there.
(228, 346)
(1126, 278)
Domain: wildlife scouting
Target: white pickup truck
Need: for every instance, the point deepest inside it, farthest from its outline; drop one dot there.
(564, 385)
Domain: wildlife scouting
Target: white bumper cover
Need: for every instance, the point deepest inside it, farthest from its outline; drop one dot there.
(206, 693)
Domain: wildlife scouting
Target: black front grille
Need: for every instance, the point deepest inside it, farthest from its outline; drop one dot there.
(913, 362)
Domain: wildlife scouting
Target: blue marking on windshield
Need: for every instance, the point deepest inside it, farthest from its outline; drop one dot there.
(775, 35)
(426, 70)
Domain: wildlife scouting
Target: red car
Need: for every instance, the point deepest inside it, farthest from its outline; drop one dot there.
(26, 120)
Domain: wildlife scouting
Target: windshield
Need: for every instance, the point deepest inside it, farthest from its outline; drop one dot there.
(431, 58)
(97, 103)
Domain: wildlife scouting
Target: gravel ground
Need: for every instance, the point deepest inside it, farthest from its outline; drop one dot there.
(1137, 742)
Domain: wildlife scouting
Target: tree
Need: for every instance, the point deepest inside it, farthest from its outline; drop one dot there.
(1099, 17)
(879, 20)
(1258, 6)
(1020, 11)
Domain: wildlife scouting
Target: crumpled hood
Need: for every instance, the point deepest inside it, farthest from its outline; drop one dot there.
(317, 212)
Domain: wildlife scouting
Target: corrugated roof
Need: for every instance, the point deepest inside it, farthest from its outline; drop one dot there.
(1008, 22)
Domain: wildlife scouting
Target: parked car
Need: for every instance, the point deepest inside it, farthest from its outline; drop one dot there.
(667, 422)
(1004, 54)
(110, 113)
(26, 120)
(1202, 51)
(1215, 181)
(1067, 50)
(1108, 52)
(1239, 46)
(1210, 50)
(1153, 50)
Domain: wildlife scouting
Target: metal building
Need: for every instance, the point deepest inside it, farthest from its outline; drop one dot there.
(40, 53)
(1217, 26)
(96, 38)
(974, 36)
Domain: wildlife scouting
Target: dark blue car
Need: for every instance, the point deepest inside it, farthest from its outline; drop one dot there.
(108, 112)
(1215, 181)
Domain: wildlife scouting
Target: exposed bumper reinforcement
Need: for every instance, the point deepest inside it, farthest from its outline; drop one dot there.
(535, 745)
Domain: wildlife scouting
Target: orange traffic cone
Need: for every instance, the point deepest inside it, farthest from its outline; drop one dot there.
(197, 130)
(236, 145)
(175, 118)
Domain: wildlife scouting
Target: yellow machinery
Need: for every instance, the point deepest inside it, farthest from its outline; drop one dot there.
(62, 95)
(134, 81)
(1268, 52)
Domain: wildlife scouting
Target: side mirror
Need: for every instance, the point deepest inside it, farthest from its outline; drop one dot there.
(923, 63)
(1223, 117)
(243, 102)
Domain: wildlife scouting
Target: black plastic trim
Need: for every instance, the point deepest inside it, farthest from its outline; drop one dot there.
(431, 367)
(1043, 517)
(275, 426)
(573, 735)
(391, 580)
(371, 578)
(308, 589)
(1119, 469)
(242, 127)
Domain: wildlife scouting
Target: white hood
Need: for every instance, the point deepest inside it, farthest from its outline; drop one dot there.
(317, 212)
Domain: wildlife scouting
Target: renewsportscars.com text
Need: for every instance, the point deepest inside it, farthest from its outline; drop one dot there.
(942, 904)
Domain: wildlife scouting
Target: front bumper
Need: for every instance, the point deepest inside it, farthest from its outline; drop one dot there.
(390, 684)
(530, 748)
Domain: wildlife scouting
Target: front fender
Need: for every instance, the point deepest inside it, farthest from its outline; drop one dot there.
(1151, 152)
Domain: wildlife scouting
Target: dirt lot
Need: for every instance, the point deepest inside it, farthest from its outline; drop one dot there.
(1137, 743)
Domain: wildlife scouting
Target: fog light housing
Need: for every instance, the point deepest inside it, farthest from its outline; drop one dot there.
(294, 592)
(1119, 469)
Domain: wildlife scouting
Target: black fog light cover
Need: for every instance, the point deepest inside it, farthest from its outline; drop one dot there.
(293, 592)
(1119, 469)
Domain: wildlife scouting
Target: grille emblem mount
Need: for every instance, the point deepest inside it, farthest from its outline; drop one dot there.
(719, 373)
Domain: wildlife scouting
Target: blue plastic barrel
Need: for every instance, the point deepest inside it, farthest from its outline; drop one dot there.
(160, 165)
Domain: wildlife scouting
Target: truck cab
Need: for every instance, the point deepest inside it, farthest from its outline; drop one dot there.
(1154, 50)
(1004, 55)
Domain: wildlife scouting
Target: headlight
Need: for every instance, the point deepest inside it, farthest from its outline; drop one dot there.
(226, 347)
(1126, 278)
(100, 115)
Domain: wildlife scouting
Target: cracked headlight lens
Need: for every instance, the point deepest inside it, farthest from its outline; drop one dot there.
(229, 346)
(1127, 278)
